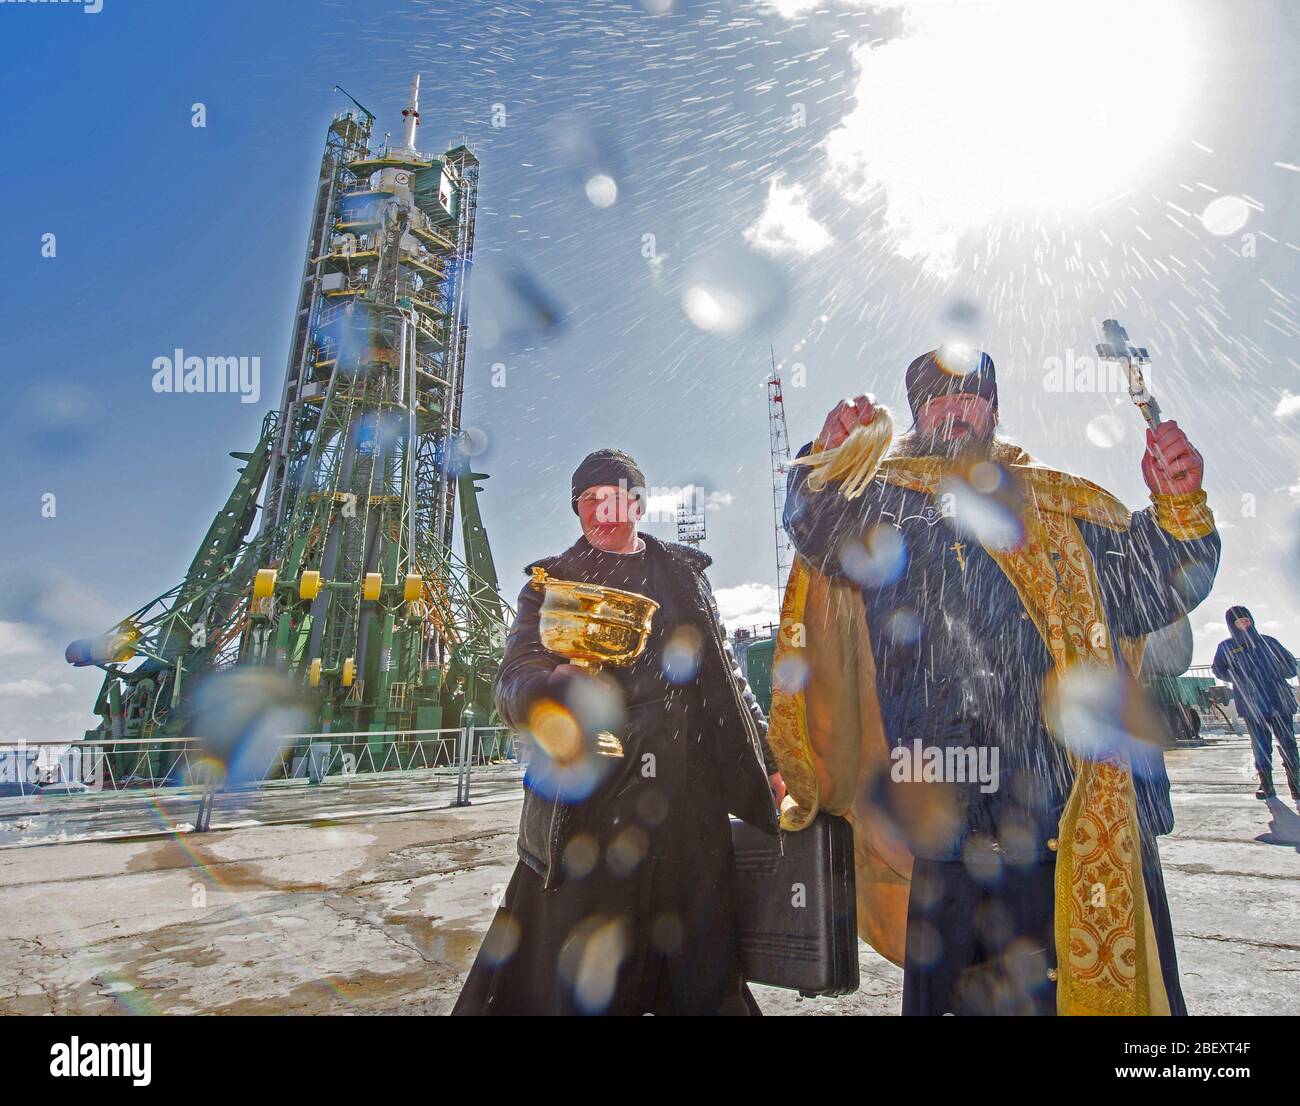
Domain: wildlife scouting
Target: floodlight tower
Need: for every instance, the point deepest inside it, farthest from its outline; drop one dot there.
(691, 522)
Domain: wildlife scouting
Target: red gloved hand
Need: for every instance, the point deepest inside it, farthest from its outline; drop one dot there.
(1170, 465)
(845, 417)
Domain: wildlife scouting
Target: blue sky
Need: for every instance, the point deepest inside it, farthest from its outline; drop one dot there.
(798, 159)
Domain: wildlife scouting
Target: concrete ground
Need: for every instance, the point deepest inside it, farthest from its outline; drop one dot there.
(374, 899)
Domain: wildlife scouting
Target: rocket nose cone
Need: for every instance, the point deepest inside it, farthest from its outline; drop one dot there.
(79, 653)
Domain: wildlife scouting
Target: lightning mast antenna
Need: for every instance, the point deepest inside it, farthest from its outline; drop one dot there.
(779, 447)
(370, 115)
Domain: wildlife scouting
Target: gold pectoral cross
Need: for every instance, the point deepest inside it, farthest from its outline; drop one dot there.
(957, 547)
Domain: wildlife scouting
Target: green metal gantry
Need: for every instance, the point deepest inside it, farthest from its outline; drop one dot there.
(346, 578)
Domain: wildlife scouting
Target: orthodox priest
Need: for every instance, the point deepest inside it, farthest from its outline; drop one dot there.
(623, 899)
(956, 675)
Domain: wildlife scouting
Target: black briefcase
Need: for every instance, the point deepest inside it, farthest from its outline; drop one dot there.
(797, 907)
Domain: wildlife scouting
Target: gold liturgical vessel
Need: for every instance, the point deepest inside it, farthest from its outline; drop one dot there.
(591, 625)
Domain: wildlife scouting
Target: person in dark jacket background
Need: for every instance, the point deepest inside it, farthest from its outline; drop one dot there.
(1258, 667)
(623, 899)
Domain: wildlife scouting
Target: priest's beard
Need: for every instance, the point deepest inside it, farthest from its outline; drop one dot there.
(971, 447)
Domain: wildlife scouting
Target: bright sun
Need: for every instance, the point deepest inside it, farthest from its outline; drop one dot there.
(993, 107)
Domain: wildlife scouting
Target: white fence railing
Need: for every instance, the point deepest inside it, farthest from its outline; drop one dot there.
(62, 767)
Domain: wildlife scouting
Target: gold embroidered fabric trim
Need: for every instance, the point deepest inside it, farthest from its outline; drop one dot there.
(787, 722)
(1184, 515)
(1102, 947)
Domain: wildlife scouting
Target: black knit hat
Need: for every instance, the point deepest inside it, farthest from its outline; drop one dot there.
(606, 467)
(951, 370)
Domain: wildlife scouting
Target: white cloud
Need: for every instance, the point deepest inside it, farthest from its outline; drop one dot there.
(662, 503)
(1287, 406)
(789, 9)
(30, 689)
(17, 638)
(41, 697)
(786, 224)
(748, 605)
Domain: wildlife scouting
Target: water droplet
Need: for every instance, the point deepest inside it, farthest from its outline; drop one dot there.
(626, 851)
(789, 675)
(513, 307)
(244, 716)
(877, 560)
(681, 654)
(1095, 713)
(1225, 215)
(580, 855)
(602, 190)
(502, 939)
(962, 313)
(986, 506)
(958, 358)
(732, 291)
(473, 441)
(903, 627)
(590, 960)
(1106, 431)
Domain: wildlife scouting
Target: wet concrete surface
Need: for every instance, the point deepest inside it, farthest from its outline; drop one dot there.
(372, 897)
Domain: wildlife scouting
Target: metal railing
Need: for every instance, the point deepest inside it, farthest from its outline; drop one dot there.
(125, 764)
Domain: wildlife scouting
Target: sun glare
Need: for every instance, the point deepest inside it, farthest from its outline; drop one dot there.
(986, 108)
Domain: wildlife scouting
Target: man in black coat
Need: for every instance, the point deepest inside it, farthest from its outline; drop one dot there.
(1258, 667)
(623, 900)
